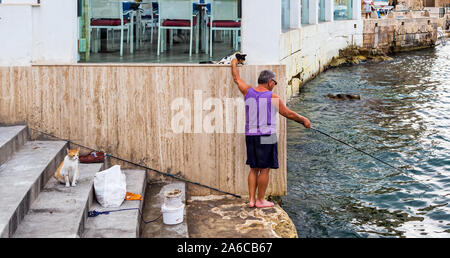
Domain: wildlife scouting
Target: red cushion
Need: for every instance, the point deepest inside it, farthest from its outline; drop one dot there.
(108, 22)
(226, 24)
(178, 23)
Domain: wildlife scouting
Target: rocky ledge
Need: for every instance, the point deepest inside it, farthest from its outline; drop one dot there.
(353, 55)
(227, 217)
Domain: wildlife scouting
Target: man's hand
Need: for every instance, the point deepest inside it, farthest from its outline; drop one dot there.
(306, 123)
(243, 87)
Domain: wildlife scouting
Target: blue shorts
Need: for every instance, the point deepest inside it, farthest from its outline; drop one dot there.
(262, 151)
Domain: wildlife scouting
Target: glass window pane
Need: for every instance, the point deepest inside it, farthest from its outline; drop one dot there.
(321, 10)
(305, 11)
(112, 31)
(343, 9)
(285, 14)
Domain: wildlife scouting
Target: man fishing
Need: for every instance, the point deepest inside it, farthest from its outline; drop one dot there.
(260, 131)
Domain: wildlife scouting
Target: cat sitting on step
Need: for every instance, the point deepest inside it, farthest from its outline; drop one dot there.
(69, 168)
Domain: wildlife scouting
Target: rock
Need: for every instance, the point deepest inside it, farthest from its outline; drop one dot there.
(295, 86)
(380, 58)
(362, 58)
(343, 96)
(338, 61)
(355, 60)
(352, 55)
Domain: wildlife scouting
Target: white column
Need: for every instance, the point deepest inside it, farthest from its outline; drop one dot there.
(313, 11)
(356, 15)
(329, 10)
(296, 14)
(261, 31)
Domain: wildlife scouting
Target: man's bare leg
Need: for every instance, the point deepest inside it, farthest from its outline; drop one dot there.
(263, 182)
(252, 183)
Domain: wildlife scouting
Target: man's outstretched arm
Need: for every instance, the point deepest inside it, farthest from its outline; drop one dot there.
(289, 114)
(243, 87)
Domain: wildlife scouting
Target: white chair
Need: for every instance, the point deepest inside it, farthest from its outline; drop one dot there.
(224, 16)
(108, 14)
(149, 18)
(175, 15)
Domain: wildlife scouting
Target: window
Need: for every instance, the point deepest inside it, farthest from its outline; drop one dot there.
(285, 14)
(112, 31)
(321, 10)
(305, 11)
(343, 9)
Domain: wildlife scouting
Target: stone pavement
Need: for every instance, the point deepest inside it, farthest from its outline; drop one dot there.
(229, 217)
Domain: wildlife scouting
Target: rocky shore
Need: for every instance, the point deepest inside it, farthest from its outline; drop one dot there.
(354, 55)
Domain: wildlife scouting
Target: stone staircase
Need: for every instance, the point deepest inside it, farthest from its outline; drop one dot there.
(34, 205)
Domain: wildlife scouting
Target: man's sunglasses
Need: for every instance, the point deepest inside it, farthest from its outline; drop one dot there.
(275, 81)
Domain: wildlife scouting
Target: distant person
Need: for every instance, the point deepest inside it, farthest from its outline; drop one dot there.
(367, 5)
(260, 131)
(394, 3)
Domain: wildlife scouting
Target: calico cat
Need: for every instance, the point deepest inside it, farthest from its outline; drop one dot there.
(227, 60)
(69, 168)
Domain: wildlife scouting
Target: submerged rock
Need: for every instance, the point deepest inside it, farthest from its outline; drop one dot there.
(343, 96)
(381, 58)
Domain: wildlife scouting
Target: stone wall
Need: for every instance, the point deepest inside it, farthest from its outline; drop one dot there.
(412, 4)
(397, 35)
(135, 111)
(307, 51)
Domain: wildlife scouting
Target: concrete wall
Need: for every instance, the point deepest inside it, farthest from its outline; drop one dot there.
(261, 30)
(307, 51)
(16, 30)
(32, 33)
(55, 32)
(395, 35)
(127, 110)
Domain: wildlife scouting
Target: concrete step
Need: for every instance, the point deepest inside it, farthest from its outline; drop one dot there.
(11, 139)
(154, 200)
(60, 211)
(120, 224)
(22, 178)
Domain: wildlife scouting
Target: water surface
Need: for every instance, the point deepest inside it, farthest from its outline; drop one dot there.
(403, 118)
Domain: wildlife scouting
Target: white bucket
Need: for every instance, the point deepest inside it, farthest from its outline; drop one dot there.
(172, 215)
(173, 198)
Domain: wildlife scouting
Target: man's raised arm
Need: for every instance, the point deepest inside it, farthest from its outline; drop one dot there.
(243, 87)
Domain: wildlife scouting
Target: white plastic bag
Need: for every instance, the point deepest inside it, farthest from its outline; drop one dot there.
(110, 187)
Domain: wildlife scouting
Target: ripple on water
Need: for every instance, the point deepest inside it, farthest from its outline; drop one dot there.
(402, 118)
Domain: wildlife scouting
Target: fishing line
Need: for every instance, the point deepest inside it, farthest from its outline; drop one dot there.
(364, 152)
(142, 166)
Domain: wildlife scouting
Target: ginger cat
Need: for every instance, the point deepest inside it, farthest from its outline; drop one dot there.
(69, 168)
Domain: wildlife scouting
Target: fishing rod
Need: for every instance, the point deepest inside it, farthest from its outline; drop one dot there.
(364, 152)
(141, 166)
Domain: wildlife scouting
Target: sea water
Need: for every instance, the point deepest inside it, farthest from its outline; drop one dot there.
(403, 118)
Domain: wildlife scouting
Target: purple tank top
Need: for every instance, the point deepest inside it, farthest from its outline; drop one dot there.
(260, 115)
